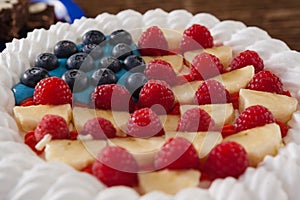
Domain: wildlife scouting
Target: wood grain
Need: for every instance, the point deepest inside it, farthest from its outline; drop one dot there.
(279, 17)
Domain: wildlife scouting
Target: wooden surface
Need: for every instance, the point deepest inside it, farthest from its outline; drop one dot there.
(281, 18)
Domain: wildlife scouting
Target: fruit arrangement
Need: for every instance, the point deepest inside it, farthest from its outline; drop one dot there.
(135, 114)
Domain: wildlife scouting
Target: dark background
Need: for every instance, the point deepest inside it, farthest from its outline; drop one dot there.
(281, 18)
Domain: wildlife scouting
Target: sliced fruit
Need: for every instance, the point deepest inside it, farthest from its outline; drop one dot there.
(259, 141)
(75, 153)
(185, 93)
(169, 122)
(281, 106)
(168, 181)
(143, 149)
(224, 53)
(28, 117)
(203, 142)
(221, 113)
(173, 37)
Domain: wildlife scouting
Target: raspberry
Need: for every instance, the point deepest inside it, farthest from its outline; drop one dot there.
(144, 123)
(53, 91)
(211, 92)
(177, 153)
(157, 92)
(253, 116)
(226, 159)
(194, 120)
(99, 128)
(54, 125)
(115, 166)
(227, 130)
(245, 58)
(266, 81)
(27, 102)
(153, 42)
(196, 37)
(29, 139)
(161, 70)
(112, 97)
(205, 66)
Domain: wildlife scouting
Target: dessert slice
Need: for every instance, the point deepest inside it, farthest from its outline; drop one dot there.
(169, 122)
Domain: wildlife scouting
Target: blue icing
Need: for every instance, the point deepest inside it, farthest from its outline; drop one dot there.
(22, 92)
(83, 96)
(61, 69)
(79, 47)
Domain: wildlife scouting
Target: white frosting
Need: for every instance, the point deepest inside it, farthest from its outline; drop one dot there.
(8, 121)
(155, 17)
(9, 147)
(7, 134)
(193, 194)
(156, 195)
(291, 151)
(204, 19)
(7, 99)
(118, 192)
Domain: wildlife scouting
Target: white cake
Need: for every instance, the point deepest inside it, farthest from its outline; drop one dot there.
(25, 176)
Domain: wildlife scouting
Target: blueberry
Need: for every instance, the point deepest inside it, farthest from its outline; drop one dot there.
(111, 63)
(93, 37)
(81, 61)
(93, 50)
(120, 36)
(33, 75)
(103, 76)
(135, 82)
(47, 61)
(76, 79)
(121, 51)
(65, 48)
(134, 63)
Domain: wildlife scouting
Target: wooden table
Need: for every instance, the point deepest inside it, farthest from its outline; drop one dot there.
(281, 18)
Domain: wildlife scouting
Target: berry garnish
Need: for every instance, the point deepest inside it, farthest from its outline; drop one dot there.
(47, 61)
(205, 66)
(153, 42)
(99, 128)
(54, 125)
(115, 166)
(196, 37)
(76, 79)
(266, 81)
(227, 130)
(29, 139)
(245, 58)
(195, 120)
(112, 97)
(94, 50)
(103, 76)
(53, 91)
(144, 123)
(211, 92)
(283, 128)
(93, 37)
(161, 70)
(111, 63)
(81, 61)
(120, 36)
(252, 117)
(134, 63)
(177, 153)
(33, 75)
(158, 96)
(121, 51)
(65, 48)
(135, 82)
(27, 102)
(226, 159)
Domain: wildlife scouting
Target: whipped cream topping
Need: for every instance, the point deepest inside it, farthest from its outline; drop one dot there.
(6, 96)
(156, 195)
(193, 193)
(118, 192)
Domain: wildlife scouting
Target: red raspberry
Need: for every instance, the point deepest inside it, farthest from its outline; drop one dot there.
(112, 97)
(177, 153)
(27, 102)
(211, 92)
(253, 116)
(144, 123)
(53, 91)
(194, 120)
(227, 130)
(54, 125)
(157, 92)
(30, 140)
(99, 128)
(245, 58)
(115, 166)
(205, 66)
(153, 42)
(266, 81)
(226, 159)
(161, 70)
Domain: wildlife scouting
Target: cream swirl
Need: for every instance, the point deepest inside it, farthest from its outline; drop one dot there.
(118, 192)
(193, 193)
(156, 195)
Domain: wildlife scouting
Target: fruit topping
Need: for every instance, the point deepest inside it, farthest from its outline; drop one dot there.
(30, 140)
(177, 153)
(103, 76)
(153, 42)
(47, 61)
(134, 63)
(76, 79)
(245, 58)
(196, 37)
(121, 51)
(120, 36)
(53, 91)
(98, 128)
(93, 37)
(111, 63)
(81, 61)
(65, 48)
(93, 50)
(33, 75)
(135, 82)
(211, 92)
(115, 166)
(144, 123)
(226, 159)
